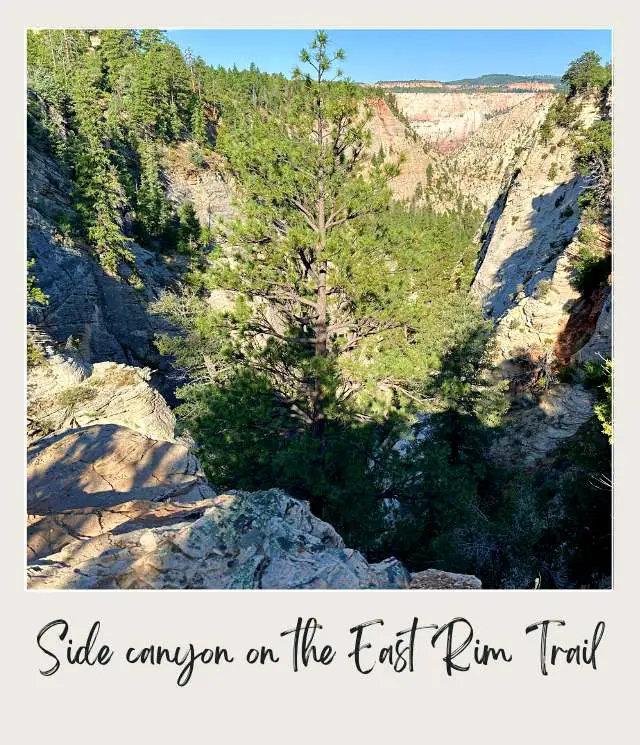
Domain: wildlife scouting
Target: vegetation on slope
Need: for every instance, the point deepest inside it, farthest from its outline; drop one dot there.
(105, 103)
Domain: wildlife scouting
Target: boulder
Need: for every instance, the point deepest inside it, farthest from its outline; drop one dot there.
(434, 579)
(104, 465)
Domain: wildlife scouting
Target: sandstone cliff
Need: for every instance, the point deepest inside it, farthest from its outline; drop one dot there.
(526, 283)
(447, 120)
(105, 317)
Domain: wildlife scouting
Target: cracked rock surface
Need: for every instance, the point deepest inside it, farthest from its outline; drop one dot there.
(111, 508)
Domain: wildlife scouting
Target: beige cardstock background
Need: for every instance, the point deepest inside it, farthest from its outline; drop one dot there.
(500, 703)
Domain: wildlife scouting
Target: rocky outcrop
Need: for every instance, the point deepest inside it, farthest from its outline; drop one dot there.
(103, 465)
(526, 283)
(533, 231)
(208, 184)
(111, 508)
(538, 425)
(600, 344)
(484, 165)
(64, 392)
(391, 136)
(105, 316)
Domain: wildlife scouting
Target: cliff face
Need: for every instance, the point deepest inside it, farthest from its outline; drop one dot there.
(105, 317)
(494, 157)
(526, 283)
(486, 162)
(447, 120)
(208, 186)
(390, 134)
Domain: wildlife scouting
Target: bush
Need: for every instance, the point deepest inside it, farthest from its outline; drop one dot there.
(71, 397)
(196, 156)
(188, 229)
(35, 355)
(553, 172)
(591, 270)
(603, 407)
(546, 131)
(34, 293)
(542, 289)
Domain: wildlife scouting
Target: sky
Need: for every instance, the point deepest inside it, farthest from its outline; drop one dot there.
(394, 54)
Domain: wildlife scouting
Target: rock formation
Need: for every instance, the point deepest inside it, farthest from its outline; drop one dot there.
(108, 318)
(111, 508)
(114, 500)
(208, 186)
(525, 282)
(64, 392)
(447, 120)
(390, 134)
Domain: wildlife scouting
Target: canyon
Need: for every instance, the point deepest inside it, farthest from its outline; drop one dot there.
(117, 500)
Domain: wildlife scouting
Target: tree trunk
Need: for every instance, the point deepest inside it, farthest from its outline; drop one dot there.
(321, 346)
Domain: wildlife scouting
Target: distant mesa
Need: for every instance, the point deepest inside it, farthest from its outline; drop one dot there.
(495, 81)
(410, 84)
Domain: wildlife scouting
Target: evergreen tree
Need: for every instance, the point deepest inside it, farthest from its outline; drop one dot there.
(117, 48)
(199, 125)
(152, 209)
(100, 196)
(188, 228)
(336, 318)
(587, 73)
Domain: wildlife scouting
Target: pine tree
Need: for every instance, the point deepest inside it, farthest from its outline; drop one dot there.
(335, 318)
(117, 48)
(188, 228)
(100, 196)
(152, 209)
(198, 125)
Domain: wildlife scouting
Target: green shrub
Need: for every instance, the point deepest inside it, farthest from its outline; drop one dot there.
(546, 131)
(34, 293)
(196, 156)
(35, 355)
(542, 289)
(553, 172)
(71, 397)
(591, 270)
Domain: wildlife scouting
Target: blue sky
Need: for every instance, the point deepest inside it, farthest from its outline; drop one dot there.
(380, 54)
